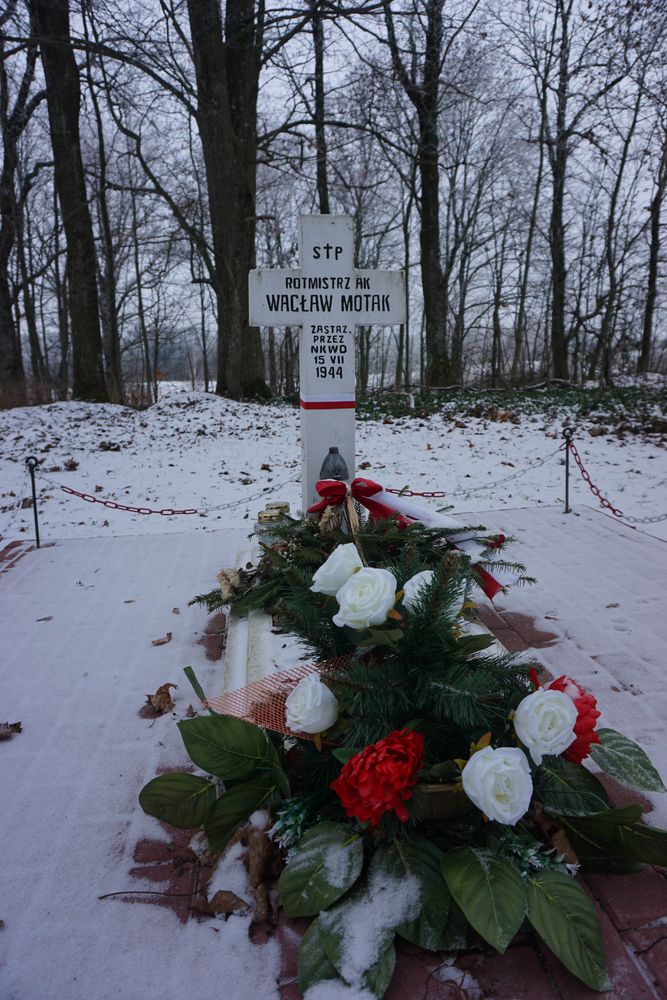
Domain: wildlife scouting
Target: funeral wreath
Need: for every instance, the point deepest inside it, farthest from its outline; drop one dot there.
(423, 783)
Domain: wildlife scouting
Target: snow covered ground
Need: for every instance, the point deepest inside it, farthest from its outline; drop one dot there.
(78, 621)
(193, 450)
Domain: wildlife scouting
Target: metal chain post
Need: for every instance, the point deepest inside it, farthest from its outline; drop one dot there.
(568, 434)
(570, 446)
(32, 464)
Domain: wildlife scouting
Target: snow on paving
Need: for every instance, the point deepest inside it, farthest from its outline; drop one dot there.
(79, 617)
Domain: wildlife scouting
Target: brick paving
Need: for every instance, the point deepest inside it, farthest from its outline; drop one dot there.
(598, 613)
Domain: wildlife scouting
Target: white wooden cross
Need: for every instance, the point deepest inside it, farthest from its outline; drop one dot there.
(327, 297)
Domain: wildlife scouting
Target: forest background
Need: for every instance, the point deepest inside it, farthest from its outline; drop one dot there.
(511, 155)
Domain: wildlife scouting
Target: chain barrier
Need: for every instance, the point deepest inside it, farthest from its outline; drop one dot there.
(16, 506)
(477, 489)
(259, 494)
(165, 511)
(569, 444)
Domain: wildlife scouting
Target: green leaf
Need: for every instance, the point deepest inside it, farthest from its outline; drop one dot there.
(325, 864)
(617, 835)
(235, 805)
(313, 966)
(489, 890)
(626, 761)
(418, 858)
(226, 747)
(378, 637)
(343, 754)
(563, 915)
(359, 929)
(446, 771)
(196, 686)
(282, 781)
(184, 800)
(379, 975)
(568, 789)
(356, 935)
(470, 644)
(455, 934)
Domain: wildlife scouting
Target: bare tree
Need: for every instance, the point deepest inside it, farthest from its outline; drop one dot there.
(14, 118)
(50, 25)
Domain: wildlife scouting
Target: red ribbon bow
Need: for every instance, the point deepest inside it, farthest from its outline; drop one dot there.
(334, 492)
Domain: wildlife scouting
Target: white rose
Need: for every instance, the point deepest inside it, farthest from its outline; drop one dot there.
(499, 783)
(544, 722)
(311, 707)
(414, 587)
(337, 570)
(366, 598)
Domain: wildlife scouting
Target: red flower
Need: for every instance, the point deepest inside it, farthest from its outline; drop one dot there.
(584, 727)
(381, 777)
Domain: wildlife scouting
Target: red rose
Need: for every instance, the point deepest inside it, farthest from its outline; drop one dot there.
(587, 715)
(381, 777)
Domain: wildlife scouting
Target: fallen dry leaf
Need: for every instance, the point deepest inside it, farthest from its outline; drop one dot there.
(560, 842)
(224, 902)
(162, 642)
(257, 855)
(162, 701)
(8, 729)
(190, 712)
(262, 904)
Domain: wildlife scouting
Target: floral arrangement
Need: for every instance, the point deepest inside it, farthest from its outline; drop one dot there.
(423, 783)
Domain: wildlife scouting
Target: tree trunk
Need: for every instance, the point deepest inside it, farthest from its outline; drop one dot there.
(108, 307)
(148, 372)
(227, 73)
(520, 329)
(12, 377)
(425, 96)
(50, 21)
(320, 133)
(653, 260)
(37, 366)
(558, 157)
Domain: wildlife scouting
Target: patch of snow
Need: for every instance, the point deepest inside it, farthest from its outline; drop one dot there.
(337, 865)
(363, 924)
(231, 875)
(466, 984)
(336, 989)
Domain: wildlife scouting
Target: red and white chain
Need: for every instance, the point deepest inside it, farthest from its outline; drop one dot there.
(477, 489)
(166, 511)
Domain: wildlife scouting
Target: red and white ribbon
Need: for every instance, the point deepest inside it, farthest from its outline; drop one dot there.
(381, 504)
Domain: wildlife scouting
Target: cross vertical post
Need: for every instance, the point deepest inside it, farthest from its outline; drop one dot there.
(327, 297)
